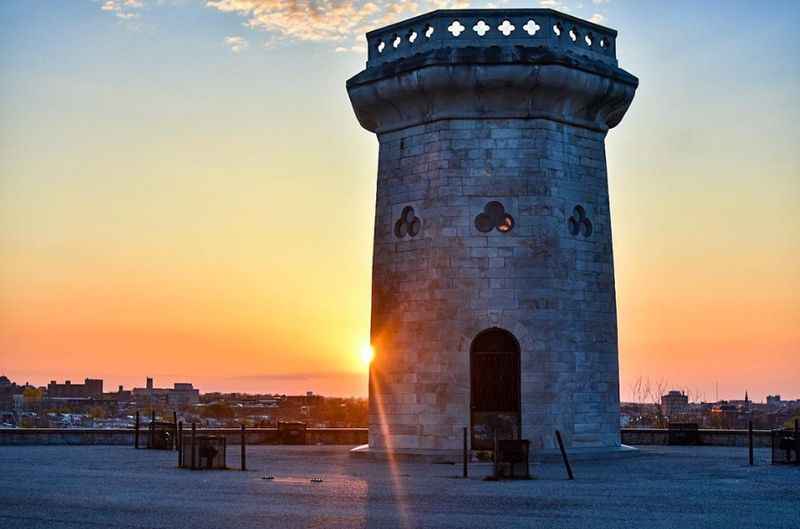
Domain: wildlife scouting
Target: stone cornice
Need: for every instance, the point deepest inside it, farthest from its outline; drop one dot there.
(491, 83)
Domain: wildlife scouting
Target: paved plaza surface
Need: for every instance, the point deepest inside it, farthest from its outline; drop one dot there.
(108, 486)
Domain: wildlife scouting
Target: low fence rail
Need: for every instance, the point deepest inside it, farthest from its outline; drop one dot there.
(338, 436)
(702, 437)
(93, 436)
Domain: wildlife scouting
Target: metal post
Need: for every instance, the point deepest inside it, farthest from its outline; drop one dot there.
(136, 431)
(194, 430)
(152, 429)
(750, 441)
(175, 424)
(244, 453)
(494, 455)
(179, 431)
(466, 454)
(564, 455)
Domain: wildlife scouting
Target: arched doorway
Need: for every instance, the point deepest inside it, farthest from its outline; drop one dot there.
(494, 388)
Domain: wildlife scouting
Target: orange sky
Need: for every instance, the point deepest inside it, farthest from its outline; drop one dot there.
(175, 205)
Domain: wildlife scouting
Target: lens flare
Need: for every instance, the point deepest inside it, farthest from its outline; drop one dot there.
(367, 354)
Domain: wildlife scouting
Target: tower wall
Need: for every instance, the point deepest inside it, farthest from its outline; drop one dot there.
(434, 292)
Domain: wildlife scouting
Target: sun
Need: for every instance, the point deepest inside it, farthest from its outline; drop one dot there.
(366, 354)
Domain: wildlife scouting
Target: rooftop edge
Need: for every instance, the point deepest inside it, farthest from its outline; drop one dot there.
(457, 28)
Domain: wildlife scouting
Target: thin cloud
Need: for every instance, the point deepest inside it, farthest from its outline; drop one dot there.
(324, 20)
(351, 49)
(124, 9)
(597, 18)
(340, 22)
(236, 44)
(294, 377)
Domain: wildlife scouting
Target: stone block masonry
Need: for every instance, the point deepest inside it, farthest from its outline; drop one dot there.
(553, 290)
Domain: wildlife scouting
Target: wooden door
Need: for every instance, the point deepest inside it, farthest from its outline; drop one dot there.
(494, 388)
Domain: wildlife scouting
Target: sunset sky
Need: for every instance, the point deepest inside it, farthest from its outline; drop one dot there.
(185, 192)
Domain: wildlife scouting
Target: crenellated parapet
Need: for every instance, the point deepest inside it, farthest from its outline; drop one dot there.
(463, 28)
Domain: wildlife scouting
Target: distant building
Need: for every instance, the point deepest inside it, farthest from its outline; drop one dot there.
(725, 415)
(121, 395)
(674, 403)
(8, 390)
(181, 394)
(91, 388)
(309, 399)
(773, 400)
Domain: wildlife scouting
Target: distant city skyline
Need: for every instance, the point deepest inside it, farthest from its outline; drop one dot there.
(184, 192)
(330, 385)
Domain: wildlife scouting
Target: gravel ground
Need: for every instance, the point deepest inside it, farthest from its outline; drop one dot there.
(106, 486)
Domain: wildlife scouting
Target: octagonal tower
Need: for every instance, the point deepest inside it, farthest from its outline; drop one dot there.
(493, 304)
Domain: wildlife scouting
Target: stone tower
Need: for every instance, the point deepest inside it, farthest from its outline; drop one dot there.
(493, 304)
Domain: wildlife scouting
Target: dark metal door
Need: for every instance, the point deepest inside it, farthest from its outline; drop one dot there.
(494, 388)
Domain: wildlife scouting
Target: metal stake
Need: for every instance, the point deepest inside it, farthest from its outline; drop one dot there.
(194, 430)
(180, 445)
(136, 431)
(244, 452)
(494, 457)
(466, 454)
(152, 429)
(564, 455)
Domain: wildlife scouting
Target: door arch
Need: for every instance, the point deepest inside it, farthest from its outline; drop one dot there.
(495, 373)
